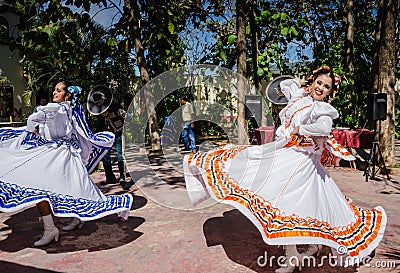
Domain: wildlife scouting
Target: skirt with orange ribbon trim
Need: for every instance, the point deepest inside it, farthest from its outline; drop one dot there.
(287, 194)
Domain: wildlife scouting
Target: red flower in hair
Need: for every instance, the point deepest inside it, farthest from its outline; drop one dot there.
(322, 68)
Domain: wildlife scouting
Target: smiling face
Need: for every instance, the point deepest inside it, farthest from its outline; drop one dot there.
(321, 87)
(60, 93)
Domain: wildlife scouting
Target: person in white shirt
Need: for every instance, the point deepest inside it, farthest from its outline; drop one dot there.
(188, 135)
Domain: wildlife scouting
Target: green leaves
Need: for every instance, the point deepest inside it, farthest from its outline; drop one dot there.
(111, 41)
(171, 27)
(222, 55)
(260, 72)
(293, 30)
(285, 31)
(59, 42)
(232, 39)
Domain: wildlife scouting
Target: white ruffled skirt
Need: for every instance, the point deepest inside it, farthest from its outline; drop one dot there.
(52, 172)
(287, 194)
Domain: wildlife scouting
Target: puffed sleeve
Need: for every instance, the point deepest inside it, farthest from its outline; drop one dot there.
(34, 120)
(292, 89)
(43, 115)
(321, 120)
(321, 108)
(52, 120)
(322, 127)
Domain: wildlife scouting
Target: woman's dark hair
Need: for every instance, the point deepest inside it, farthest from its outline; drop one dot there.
(327, 72)
(67, 84)
(185, 98)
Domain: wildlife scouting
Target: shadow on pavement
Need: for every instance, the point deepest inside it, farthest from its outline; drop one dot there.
(167, 171)
(12, 267)
(138, 202)
(243, 244)
(392, 253)
(109, 232)
(136, 175)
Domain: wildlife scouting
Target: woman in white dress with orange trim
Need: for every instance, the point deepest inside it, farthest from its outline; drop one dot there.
(283, 186)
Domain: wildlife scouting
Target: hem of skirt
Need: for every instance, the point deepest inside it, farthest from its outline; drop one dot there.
(206, 193)
(204, 188)
(352, 260)
(120, 211)
(14, 198)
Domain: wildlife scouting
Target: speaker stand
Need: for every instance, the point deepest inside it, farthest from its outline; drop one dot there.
(252, 131)
(376, 148)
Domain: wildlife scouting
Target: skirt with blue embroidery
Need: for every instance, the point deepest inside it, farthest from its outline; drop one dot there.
(53, 172)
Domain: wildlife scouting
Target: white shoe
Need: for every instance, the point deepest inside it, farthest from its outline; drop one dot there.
(48, 236)
(76, 223)
(50, 231)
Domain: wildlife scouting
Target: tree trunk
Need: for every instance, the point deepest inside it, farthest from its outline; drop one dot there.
(133, 18)
(242, 70)
(350, 38)
(384, 76)
(254, 44)
(254, 54)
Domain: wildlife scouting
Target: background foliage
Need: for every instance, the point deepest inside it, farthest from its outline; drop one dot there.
(59, 39)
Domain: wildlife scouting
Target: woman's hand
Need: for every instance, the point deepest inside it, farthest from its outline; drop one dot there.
(295, 130)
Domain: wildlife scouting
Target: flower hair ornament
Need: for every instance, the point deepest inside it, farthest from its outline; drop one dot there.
(326, 69)
(75, 92)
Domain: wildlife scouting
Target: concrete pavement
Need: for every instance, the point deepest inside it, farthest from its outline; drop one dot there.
(162, 234)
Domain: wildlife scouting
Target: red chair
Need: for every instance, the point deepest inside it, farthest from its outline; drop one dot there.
(265, 134)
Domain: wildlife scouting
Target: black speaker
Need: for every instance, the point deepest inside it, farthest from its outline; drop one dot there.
(377, 106)
(253, 106)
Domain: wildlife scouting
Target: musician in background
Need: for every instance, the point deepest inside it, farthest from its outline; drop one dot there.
(100, 102)
(114, 119)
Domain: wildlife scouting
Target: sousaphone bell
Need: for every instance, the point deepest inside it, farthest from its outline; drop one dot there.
(273, 90)
(99, 100)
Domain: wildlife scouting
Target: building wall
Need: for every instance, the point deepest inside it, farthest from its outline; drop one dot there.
(10, 66)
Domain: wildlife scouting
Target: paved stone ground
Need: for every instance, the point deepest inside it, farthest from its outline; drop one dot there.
(163, 234)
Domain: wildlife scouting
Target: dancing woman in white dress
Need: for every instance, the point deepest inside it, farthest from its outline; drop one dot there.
(48, 163)
(283, 186)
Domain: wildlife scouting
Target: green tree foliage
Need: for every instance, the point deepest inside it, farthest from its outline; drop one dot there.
(330, 49)
(322, 25)
(57, 42)
(279, 27)
(163, 20)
